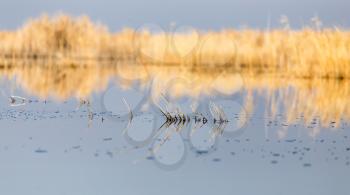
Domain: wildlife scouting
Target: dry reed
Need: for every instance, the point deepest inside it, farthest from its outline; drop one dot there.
(310, 52)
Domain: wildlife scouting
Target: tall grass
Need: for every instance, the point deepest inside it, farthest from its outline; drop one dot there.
(309, 52)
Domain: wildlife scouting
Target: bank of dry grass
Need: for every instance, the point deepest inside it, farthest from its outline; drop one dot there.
(298, 53)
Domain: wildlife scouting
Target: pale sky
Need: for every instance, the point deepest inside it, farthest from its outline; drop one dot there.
(202, 14)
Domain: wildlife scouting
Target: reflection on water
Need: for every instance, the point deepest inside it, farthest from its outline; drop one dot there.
(167, 135)
(297, 99)
(179, 108)
(117, 123)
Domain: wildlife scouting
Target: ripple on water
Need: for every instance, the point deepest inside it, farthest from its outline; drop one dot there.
(40, 151)
(150, 157)
(274, 162)
(201, 152)
(307, 165)
(276, 154)
(291, 140)
(107, 139)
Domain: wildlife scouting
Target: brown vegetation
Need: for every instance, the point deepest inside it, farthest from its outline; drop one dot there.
(303, 53)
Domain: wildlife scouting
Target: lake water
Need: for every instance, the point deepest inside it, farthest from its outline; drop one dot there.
(69, 130)
(116, 128)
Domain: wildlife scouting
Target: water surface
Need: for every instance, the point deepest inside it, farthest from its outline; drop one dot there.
(102, 129)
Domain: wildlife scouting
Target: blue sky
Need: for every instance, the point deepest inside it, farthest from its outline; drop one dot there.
(202, 14)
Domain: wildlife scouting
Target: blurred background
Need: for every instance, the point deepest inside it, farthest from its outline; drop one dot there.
(202, 14)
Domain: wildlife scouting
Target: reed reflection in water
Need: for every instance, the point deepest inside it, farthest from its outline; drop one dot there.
(180, 108)
(295, 98)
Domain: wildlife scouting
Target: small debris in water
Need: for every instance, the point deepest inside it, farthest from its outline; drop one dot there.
(276, 154)
(107, 139)
(76, 147)
(150, 157)
(216, 159)
(201, 152)
(110, 154)
(307, 164)
(41, 151)
(274, 162)
(17, 101)
(291, 140)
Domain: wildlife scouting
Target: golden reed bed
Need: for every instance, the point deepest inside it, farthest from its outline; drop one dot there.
(310, 52)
